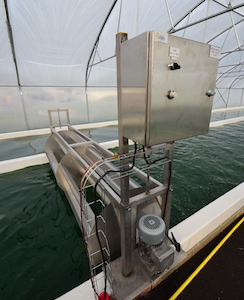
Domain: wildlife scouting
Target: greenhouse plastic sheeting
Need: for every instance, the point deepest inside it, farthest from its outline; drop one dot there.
(60, 53)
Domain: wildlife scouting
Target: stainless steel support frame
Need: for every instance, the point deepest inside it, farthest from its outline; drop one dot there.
(125, 200)
(76, 160)
(130, 207)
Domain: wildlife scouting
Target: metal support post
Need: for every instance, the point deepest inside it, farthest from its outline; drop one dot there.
(125, 211)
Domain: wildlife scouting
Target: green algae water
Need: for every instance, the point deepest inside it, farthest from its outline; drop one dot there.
(205, 167)
(41, 249)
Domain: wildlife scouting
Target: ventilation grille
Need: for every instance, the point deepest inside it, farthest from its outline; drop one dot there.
(151, 229)
(152, 222)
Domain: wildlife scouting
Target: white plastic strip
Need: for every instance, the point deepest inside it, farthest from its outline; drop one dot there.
(23, 162)
(27, 161)
(227, 109)
(11, 135)
(227, 121)
(39, 159)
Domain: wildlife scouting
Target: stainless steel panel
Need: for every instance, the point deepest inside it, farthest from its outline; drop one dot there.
(149, 116)
(134, 74)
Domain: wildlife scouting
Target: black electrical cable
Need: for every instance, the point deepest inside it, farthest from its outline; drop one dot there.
(96, 212)
(133, 161)
(154, 161)
(174, 242)
(173, 239)
(170, 174)
(168, 189)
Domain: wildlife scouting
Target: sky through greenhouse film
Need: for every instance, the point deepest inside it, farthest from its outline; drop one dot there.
(51, 72)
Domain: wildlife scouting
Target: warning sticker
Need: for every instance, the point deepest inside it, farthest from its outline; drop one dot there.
(174, 52)
(160, 37)
(215, 52)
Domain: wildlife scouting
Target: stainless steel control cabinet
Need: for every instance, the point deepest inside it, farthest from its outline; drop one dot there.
(167, 87)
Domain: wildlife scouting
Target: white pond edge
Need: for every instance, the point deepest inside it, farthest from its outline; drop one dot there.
(38, 159)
